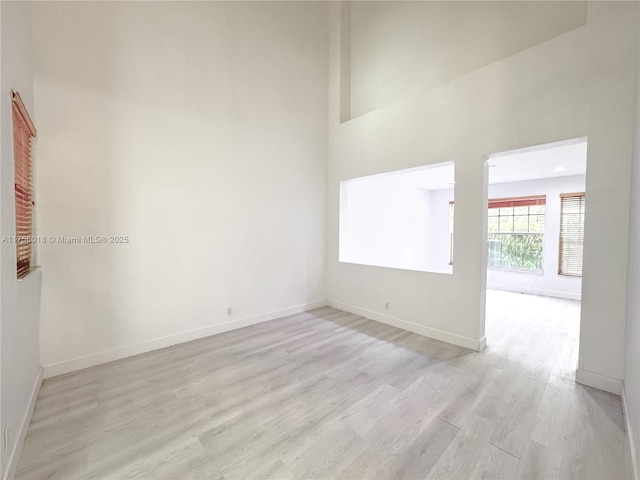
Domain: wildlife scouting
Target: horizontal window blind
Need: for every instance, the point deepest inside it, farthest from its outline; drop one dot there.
(572, 208)
(518, 201)
(23, 134)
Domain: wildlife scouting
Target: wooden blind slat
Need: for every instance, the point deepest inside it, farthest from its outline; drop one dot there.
(517, 201)
(22, 111)
(572, 209)
(23, 133)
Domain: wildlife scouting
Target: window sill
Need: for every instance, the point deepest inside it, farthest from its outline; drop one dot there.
(30, 274)
(516, 270)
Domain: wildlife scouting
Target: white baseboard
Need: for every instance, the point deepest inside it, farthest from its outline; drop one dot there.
(601, 382)
(535, 291)
(458, 340)
(74, 364)
(632, 441)
(24, 428)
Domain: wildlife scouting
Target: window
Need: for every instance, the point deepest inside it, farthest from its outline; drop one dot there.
(572, 206)
(23, 134)
(516, 230)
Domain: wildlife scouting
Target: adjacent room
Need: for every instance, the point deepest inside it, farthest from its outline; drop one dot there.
(399, 219)
(535, 243)
(319, 239)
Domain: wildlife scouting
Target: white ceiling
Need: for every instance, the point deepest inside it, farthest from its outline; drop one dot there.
(533, 164)
(528, 164)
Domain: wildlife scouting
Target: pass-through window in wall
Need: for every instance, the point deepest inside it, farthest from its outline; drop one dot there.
(572, 208)
(398, 219)
(23, 134)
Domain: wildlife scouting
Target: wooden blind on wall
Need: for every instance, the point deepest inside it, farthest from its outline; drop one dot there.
(23, 134)
(572, 207)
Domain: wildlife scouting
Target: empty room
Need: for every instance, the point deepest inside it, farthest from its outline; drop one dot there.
(319, 239)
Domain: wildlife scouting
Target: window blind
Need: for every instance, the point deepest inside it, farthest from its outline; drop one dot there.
(23, 133)
(572, 208)
(518, 201)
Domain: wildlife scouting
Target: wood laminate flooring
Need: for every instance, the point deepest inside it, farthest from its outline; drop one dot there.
(327, 394)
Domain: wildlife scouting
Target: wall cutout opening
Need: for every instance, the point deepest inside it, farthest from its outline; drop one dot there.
(535, 233)
(399, 219)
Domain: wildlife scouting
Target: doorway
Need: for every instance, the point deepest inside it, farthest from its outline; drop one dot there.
(535, 231)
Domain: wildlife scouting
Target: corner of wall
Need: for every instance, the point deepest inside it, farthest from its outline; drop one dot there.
(12, 464)
(630, 435)
(601, 382)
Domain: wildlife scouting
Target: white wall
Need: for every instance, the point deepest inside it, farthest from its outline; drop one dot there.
(199, 131)
(577, 84)
(440, 40)
(384, 223)
(19, 301)
(632, 337)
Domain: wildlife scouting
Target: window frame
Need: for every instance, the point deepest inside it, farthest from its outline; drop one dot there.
(24, 133)
(583, 196)
(451, 230)
(515, 202)
(507, 202)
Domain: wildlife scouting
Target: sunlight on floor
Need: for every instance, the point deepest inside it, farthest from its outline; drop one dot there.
(539, 333)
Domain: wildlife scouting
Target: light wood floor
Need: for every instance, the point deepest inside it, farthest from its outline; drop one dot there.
(327, 394)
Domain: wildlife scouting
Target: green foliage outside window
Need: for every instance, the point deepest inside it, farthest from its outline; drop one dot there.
(515, 237)
(512, 250)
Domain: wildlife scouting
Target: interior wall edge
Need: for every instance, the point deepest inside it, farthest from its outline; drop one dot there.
(12, 464)
(444, 336)
(91, 360)
(629, 431)
(601, 382)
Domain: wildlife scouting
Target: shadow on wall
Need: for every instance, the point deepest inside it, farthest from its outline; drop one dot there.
(79, 194)
(434, 351)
